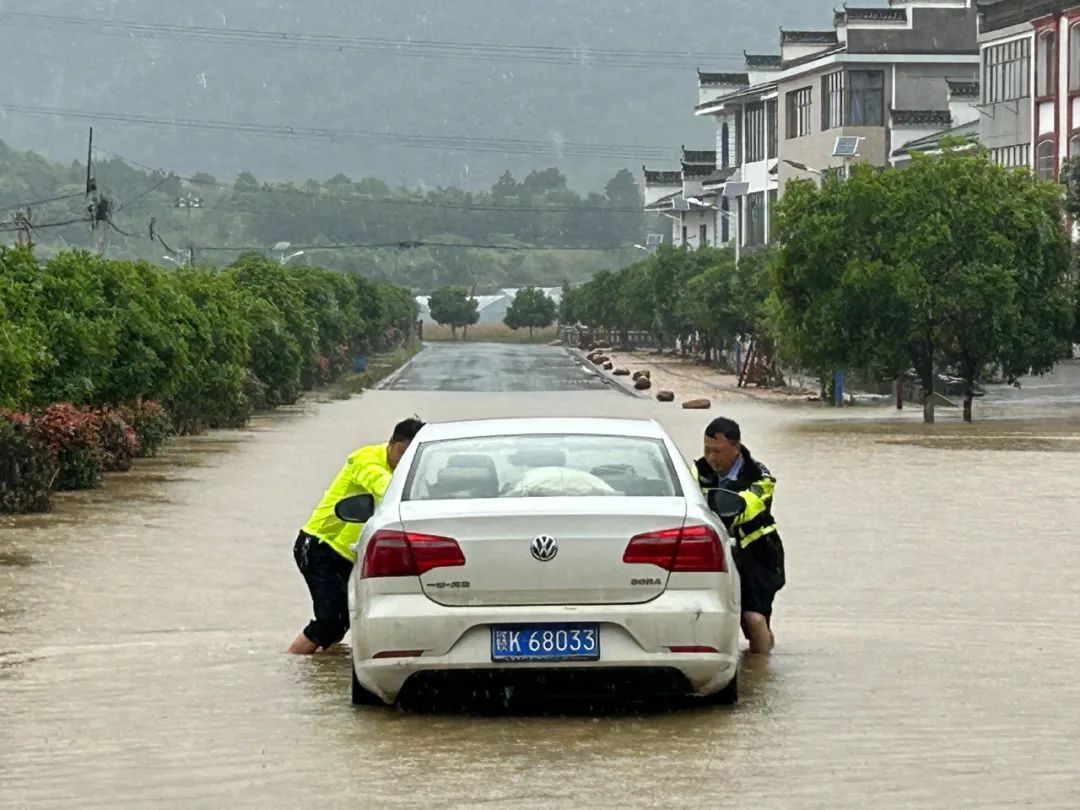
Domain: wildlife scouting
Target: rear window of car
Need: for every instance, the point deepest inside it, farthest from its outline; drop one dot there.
(542, 466)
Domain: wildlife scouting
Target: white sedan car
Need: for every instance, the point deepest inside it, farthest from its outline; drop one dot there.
(543, 548)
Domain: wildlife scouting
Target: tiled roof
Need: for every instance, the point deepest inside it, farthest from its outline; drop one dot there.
(663, 202)
(698, 156)
(928, 143)
(931, 118)
(662, 178)
(963, 89)
(722, 79)
(998, 14)
(698, 170)
(768, 60)
(720, 176)
(813, 57)
(870, 15)
(810, 37)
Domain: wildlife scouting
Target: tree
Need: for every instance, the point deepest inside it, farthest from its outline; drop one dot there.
(452, 306)
(531, 308)
(952, 263)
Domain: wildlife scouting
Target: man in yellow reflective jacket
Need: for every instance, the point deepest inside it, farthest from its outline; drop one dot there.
(323, 549)
(759, 553)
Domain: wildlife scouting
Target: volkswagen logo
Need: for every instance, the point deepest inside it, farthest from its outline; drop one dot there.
(544, 548)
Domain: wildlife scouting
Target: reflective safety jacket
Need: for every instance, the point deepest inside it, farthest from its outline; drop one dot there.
(366, 471)
(756, 485)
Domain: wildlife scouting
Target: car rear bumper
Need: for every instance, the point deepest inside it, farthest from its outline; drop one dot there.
(632, 637)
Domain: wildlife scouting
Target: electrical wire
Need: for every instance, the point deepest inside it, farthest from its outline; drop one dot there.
(412, 48)
(620, 152)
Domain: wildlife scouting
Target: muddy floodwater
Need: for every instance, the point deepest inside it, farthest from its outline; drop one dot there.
(928, 640)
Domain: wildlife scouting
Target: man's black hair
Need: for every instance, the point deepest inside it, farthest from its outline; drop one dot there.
(722, 426)
(406, 431)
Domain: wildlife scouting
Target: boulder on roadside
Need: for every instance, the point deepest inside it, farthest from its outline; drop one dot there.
(642, 383)
(666, 396)
(697, 405)
(621, 372)
(608, 366)
(639, 374)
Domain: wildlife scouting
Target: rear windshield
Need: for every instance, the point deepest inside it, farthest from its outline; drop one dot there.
(544, 466)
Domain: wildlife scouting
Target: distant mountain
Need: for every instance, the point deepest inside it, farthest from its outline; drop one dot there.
(52, 64)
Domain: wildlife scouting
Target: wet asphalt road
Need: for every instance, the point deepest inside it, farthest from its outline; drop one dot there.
(927, 637)
(495, 368)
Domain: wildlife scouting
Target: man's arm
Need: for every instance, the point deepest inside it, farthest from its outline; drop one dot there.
(757, 498)
(373, 478)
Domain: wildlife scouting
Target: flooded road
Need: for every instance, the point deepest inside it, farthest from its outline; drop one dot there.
(927, 639)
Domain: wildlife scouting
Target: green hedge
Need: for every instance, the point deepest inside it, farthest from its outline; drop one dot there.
(89, 346)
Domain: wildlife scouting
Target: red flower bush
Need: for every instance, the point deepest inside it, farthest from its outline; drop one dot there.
(27, 468)
(120, 443)
(73, 437)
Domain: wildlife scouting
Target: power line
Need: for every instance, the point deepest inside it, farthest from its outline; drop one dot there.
(414, 244)
(424, 49)
(43, 202)
(620, 152)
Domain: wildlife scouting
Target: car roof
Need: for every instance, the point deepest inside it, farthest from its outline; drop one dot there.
(473, 428)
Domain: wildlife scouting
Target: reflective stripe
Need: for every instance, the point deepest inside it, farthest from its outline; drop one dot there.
(750, 538)
(754, 507)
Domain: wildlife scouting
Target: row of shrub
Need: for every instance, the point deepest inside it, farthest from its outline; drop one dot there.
(100, 360)
(63, 447)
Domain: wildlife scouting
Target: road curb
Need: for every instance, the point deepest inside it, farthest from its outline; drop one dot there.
(386, 382)
(609, 380)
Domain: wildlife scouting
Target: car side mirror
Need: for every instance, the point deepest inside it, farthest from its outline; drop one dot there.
(725, 503)
(357, 509)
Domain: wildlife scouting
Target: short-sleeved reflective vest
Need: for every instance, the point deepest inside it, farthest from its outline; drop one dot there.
(756, 485)
(366, 471)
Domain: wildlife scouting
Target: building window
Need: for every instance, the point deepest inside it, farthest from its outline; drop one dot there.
(755, 218)
(832, 97)
(799, 103)
(725, 146)
(738, 138)
(1006, 70)
(1074, 58)
(772, 122)
(1012, 156)
(1074, 146)
(755, 133)
(703, 236)
(773, 196)
(1045, 161)
(866, 98)
(1044, 77)
(725, 220)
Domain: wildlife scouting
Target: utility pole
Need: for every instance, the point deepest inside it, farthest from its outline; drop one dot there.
(95, 206)
(190, 202)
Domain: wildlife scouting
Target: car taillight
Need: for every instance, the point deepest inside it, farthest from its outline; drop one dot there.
(407, 554)
(690, 549)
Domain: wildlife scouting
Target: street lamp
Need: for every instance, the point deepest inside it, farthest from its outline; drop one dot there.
(736, 191)
(286, 259)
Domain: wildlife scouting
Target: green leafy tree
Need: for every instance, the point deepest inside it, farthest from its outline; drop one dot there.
(952, 263)
(22, 347)
(531, 309)
(453, 307)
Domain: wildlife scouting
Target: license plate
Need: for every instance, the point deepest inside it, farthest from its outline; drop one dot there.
(546, 642)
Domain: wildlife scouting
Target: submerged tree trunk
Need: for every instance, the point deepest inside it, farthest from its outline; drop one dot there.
(453, 332)
(969, 398)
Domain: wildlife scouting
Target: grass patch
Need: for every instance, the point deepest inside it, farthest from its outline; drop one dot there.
(489, 333)
(379, 367)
